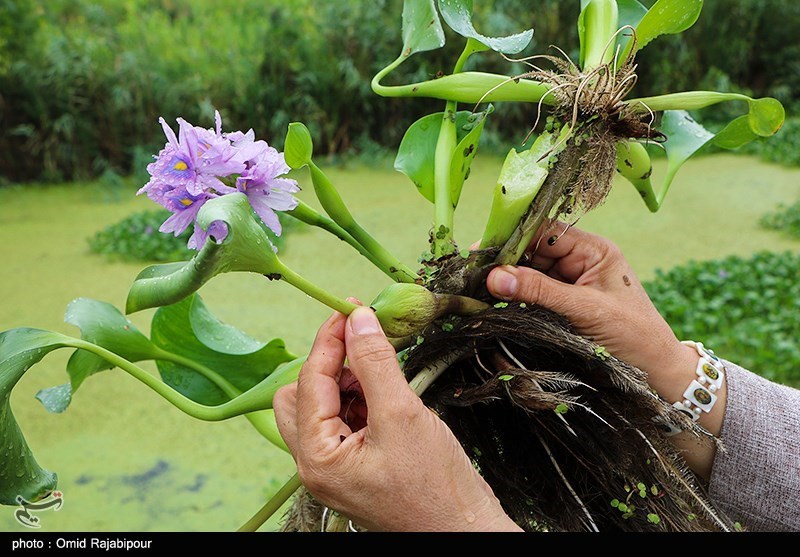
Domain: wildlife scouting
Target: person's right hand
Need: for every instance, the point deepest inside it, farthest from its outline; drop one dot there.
(585, 278)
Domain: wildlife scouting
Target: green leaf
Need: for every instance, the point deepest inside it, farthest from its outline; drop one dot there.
(187, 328)
(562, 409)
(299, 146)
(422, 30)
(219, 336)
(246, 248)
(665, 17)
(102, 324)
(458, 15)
(686, 137)
(416, 154)
(465, 151)
(631, 13)
(521, 177)
(505, 378)
(20, 473)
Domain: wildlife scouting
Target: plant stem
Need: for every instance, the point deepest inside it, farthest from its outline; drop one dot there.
(315, 291)
(306, 214)
(467, 87)
(271, 506)
(443, 201)
(425, 378)
(261, 420)
(333, 204)
(444, 207)
(250, 401)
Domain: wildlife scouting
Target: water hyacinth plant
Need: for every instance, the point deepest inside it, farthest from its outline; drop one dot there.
(476, 360)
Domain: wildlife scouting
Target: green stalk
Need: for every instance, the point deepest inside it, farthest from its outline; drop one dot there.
(470, 88)
(253, 400)
(314, 291)
(304, 213)
(443, 202)
(444, 207)
(599, 21)
(261, 421)
(272, 506)
(333, 204)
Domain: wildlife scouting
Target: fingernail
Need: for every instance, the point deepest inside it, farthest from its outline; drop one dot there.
(364, 322)
(504, 284)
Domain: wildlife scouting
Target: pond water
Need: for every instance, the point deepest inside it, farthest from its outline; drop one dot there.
(127, 461)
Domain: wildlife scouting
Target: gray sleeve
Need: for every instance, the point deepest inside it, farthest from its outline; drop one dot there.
(756, 477)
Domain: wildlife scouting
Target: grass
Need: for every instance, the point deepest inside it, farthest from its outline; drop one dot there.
(129, 462)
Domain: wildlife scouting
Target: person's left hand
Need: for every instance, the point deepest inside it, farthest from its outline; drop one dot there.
(384, 460)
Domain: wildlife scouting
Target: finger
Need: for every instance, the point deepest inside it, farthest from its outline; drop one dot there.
(373, 361)
(521, 284)
(569, 255)
(319, 427)
(285, 405)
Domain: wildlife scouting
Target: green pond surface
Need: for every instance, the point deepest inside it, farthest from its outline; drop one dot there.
(128, 461)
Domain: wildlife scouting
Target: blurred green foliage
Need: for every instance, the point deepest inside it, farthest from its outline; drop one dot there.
(745, 309)
(82, 83)
(786, 219)
(136, 238)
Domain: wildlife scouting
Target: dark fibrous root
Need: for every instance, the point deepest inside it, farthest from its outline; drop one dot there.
(569, 437)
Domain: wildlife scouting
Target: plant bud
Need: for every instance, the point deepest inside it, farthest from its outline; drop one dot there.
(406, 308)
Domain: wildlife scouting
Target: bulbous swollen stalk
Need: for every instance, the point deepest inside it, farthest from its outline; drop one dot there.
(405, 309)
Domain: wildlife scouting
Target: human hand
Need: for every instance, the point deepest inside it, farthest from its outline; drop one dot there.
(586, 278)
(393, 464)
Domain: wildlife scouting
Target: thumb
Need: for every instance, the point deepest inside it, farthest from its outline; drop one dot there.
(373, 360)
(522, 284)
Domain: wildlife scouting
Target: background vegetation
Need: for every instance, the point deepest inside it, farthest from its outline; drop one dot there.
(82, 84)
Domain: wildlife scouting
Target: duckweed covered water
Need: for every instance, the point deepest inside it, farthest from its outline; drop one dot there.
(127, 461)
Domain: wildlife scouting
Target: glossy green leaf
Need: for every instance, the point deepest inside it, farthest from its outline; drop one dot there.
(416, 154)
(219, 336)
(631, 13)
(458, 15)
(298, 147)
(422, 30)
(246, 248)
(187, 328)
(521, 177)
(665, 17)
(20, 473)
(102, 324)
(685, 136)
(465, 151)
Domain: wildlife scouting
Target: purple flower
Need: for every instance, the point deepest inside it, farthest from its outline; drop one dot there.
(199, 164)
(264, 187)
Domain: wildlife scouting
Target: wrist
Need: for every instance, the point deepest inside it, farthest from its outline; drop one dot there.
(693, 379)
(675, 370)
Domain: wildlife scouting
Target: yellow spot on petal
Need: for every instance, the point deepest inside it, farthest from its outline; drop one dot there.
(186, 202)
(180, 165)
